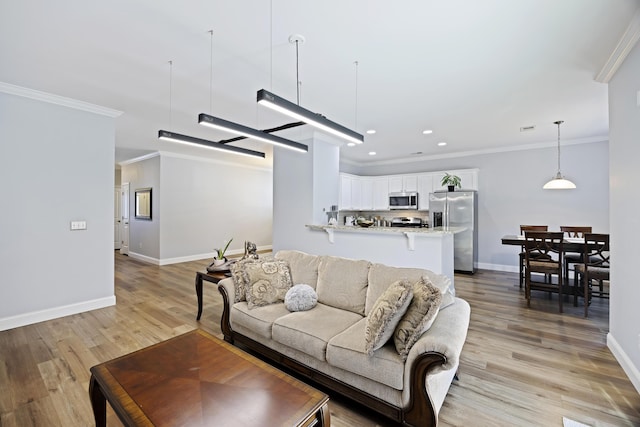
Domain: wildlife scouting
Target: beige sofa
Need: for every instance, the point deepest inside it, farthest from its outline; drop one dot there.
(326, 344)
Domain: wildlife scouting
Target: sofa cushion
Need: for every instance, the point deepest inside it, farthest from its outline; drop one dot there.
(300, 297)
(237, 269)
(386, 313)
(342, 283)
(419, 317)
(267, 281)
(310, 331)
(381, 276)
(259, 319)
(347, 351)
(303, 266)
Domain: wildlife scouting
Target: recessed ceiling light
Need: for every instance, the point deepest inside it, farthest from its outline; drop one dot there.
(351, 144)
(372, 153)
(427, 131)
(441, 144)
(371, 131)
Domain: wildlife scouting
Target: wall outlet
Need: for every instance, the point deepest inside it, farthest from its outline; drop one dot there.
(78, 225)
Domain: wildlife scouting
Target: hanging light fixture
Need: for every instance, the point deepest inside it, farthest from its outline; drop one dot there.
(277, 103)
(190, 140)
(238, 129)
(558, 182)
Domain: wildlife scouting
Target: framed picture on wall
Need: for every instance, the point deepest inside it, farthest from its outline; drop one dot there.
(143, 203)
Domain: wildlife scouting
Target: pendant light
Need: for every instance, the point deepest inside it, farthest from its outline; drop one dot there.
(558, 182)
(277, 103)
(238, 129)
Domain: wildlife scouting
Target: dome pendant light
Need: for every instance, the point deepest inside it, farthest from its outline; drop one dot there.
(558, 182)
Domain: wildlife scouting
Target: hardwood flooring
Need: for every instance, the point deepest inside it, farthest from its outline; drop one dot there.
(519, 366)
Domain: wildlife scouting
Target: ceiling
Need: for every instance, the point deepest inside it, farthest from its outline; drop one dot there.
(474, 72)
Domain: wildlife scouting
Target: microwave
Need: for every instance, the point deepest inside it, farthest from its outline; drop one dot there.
(403, 200)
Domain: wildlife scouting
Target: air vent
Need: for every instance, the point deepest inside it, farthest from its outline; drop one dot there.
(527, 128)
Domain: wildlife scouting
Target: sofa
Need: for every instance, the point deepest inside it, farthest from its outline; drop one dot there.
(330, 343)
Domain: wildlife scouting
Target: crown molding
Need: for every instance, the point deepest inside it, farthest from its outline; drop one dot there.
(191, 158)
(57, 99)
(626, 43)
(526, 147)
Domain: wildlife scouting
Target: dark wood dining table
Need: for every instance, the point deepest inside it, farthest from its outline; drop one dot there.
(569, 244)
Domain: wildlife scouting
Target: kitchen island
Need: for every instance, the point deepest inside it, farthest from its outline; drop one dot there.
(429, 248)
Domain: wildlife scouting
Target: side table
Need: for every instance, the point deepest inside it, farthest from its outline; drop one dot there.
(201, 276)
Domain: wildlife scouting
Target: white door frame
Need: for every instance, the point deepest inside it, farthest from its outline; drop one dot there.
(124, 231)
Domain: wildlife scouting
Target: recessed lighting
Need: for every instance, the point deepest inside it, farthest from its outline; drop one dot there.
(427, 131)
(441, 144)
(351, 144)
(371, 131)
(372, 153)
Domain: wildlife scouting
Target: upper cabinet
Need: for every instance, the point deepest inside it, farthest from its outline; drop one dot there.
(403, 183)
(468, 179)
(371, 193)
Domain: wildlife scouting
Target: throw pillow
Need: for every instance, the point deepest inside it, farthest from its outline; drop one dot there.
(267, 282)
(237, 274)
(419, 317)
(301, 297)
(385, 314)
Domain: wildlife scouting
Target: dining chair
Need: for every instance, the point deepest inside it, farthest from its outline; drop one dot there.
(524, 228)
(543, 255)
(573, 257)
(593, 269)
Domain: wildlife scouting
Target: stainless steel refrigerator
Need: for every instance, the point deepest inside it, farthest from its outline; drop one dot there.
(458, 210)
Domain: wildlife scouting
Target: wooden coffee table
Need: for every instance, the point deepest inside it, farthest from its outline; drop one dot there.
(197, 379)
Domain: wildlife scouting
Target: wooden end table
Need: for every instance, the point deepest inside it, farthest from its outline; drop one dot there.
(214, 277)
(197, 379)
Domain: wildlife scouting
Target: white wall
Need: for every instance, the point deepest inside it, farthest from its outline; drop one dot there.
(510, 193)
(197, 205)
(624, 123)
(57, 166)
(303, 183)
(144, 235)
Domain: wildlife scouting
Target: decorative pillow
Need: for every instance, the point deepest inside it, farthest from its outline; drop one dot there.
(303, 266)
(386, 313)
(237, 270)
(267, 281)
(301, 297)
(419, 317)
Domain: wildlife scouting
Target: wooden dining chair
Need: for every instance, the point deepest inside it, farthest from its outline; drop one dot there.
(524, 228)
(573, 257)
(593, 270)
(543, 254)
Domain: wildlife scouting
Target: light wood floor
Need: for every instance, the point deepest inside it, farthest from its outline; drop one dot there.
(519, 366)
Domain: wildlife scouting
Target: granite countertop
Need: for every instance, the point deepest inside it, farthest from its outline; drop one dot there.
(372, 229)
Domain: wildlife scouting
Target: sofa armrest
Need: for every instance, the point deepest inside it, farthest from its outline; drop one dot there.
(446, 336)
(435, 355)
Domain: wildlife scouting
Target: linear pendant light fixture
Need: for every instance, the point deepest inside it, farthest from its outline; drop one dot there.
(297, 112)
(558, 182)
(225, 125)
(212, 145)
(290, 109)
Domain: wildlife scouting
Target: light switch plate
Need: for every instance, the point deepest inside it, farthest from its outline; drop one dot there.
(78, 225)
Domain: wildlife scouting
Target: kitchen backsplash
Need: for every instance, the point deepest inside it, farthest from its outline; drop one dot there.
(388, 215)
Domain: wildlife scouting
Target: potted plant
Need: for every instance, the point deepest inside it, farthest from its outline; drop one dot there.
(451, 181)
(220, 259)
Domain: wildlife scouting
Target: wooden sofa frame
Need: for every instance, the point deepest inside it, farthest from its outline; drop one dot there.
(419, 411)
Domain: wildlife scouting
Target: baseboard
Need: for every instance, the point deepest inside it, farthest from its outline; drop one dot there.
(627, 366)
(497, 267)
(188, 258)
(54, 313)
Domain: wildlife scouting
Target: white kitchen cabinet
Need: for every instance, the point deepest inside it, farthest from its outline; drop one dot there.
(366, 188)
(380, 187)
(345, 191)
(356, 193)
(403, 183)
(468, 179)
(425, 186)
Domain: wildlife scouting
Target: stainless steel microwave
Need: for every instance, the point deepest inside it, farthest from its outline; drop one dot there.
(403, 200)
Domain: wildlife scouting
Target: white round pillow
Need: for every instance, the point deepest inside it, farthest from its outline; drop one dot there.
(300, 297)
